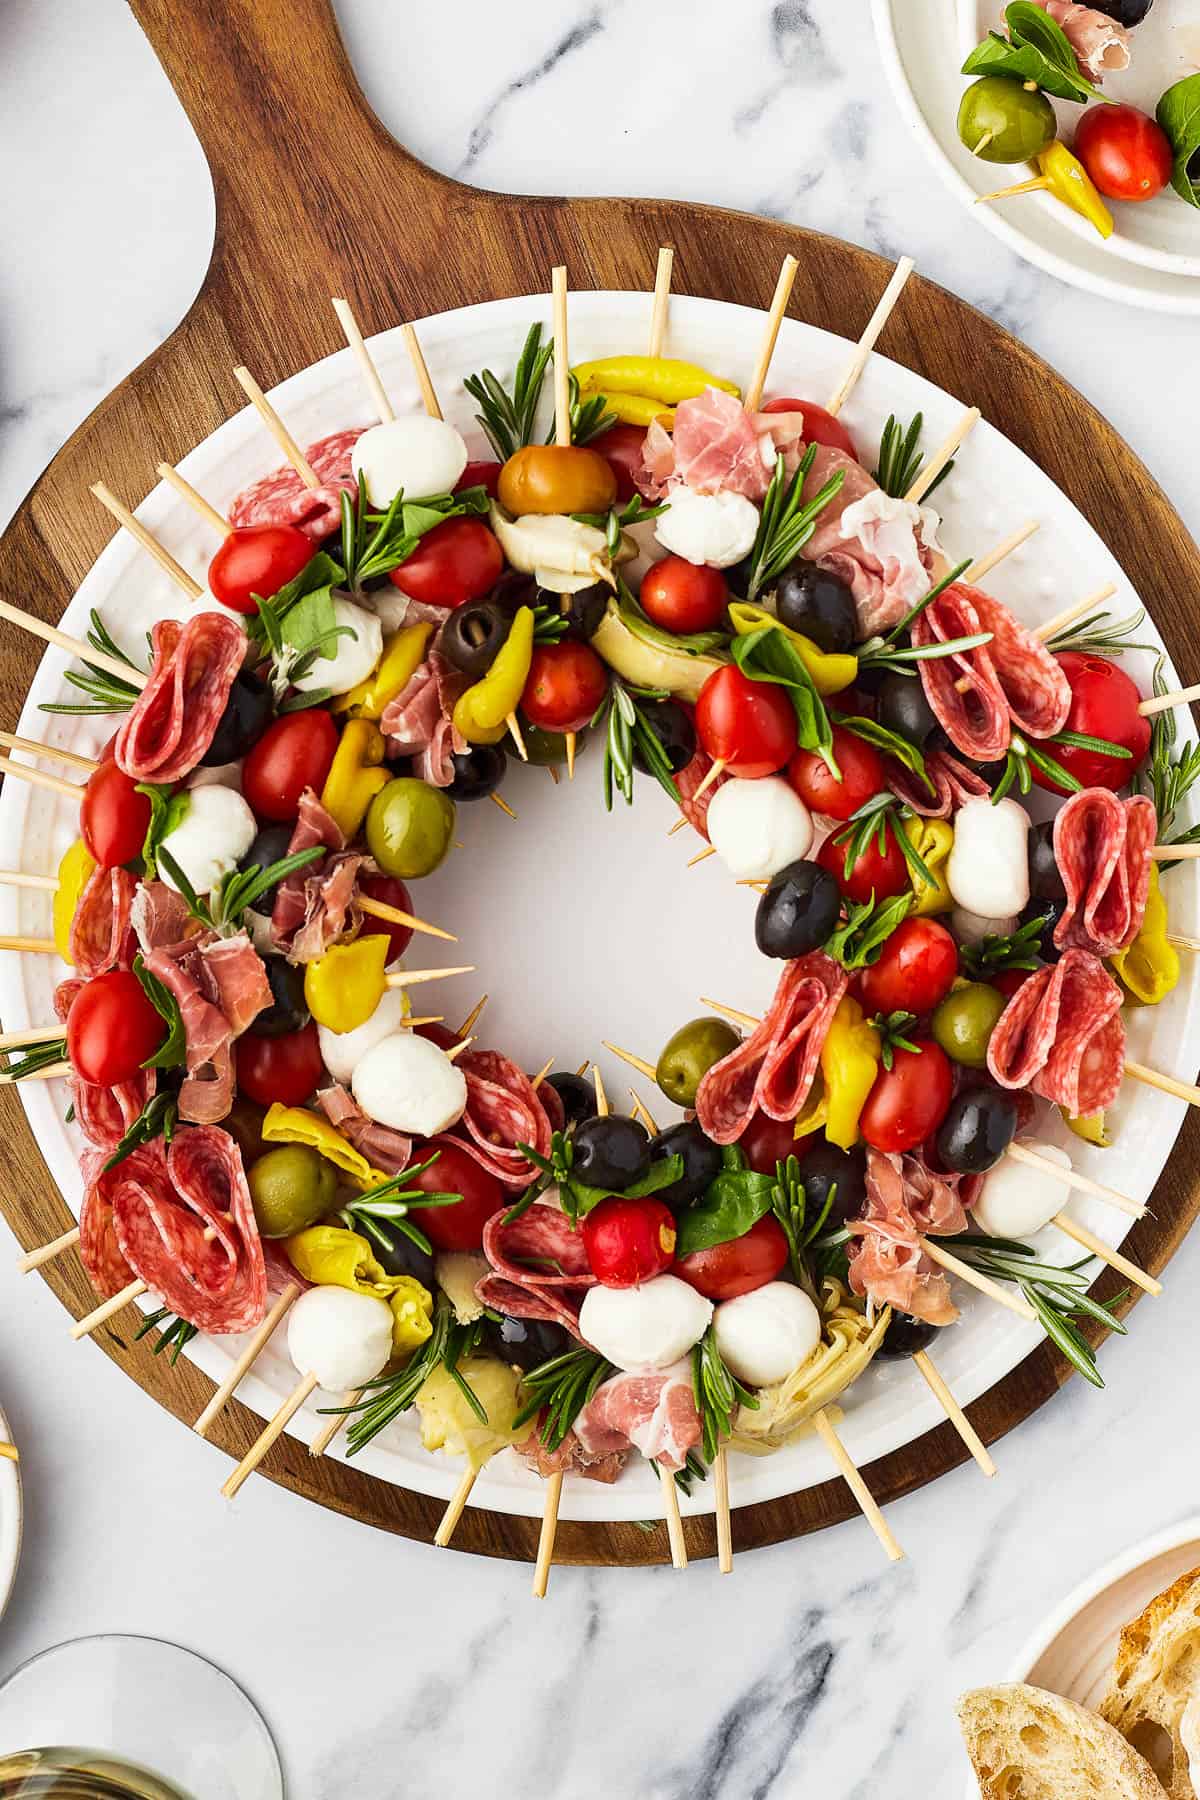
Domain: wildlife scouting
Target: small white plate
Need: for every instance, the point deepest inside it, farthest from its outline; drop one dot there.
(10, 1519)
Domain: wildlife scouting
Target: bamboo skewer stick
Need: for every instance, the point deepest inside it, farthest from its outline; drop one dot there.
(245, 1361)
(1183, 943)
(278, 430)
(867, 341)
(454, 1509)
(273, 1429)
(955, 1266)
(457, 1049)
(779, 306)
(662, 300)
(52, 752)
(1089, 1241)
(562, 419)
(19, 878)
(701, 856)
(33, 1259)
(1074, 1178)
(545, 1552)
(954, 1412)
(49, 1072)
(681, 822)
(366, 363)
(472, 1018)
(867, 1503)
(503, 805)
(331, 1427)
(147, 540)
(193, 496)
(50, 634)
(9, 1452)
(535, 1081)
(642, 1111)
(100, 1315)
(731, 1012)
(1069, 614)
(405, 978)
(37, 1034)
(395, 915)
(721, 1504)
(1156, 704)
(1166, 1084)
(718, 768)
(941, 456)
(985, 564)
(416, 357)
(34, 946)
(666, 1482)
(53, 784)
(635, 1062)
(602, 1107)
(1171, 853)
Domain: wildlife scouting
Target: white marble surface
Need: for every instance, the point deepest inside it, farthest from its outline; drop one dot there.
(385, 1667)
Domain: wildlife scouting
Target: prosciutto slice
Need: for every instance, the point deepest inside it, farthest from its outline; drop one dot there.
(503, 1111)
(1012, 681)
(175, 717)
(384, 1148)
(158, 915)
(569, 1458)
(876, 545)
(1102, 846)
(1061, 1035)
(905, 1202)
(538, 1267)
(651, 1410)
(101, 935)
(772, 1070)
(953, 782)
(205, 977)
(717, 447)
(316, 905)
(1102, 46)
(281, 497)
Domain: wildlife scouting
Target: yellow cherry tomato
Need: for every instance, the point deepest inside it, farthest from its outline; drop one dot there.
(556, 478)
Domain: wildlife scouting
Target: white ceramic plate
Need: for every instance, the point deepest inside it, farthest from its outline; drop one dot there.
(10, 1519)
(585, 926)
(1153, 257)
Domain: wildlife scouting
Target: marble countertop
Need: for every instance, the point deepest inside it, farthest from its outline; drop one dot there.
(382, 1666)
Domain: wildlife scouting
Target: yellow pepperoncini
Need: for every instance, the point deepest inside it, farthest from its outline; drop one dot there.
(1149, 969)
(481, 713)
(634, 409)
(343, 987)
(1062, 174)
(355, 775)
(402, 655)
(815, 1110)
(849, 1063)
(651, 378)
(296, 1125)
(932, 839)
(74, 872)
(830, 673)
(1088, 1126)
(331, 1256)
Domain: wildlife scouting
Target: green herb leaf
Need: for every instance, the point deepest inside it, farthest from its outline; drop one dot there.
(787, 521)
(559, 1390)
(385, 1398)
(895, 746)
(858, 941)
(731, 1203)
(1178, 113)
(172, 1053)
(1037, 49)
(168, 808)
(1100, 633)
(718, 1394)
(32, 1057)
(1020, 949)
(768, 654)
(627, 726)
(156, 1119)
(1169, 775)
(507, 415)
(107, 693)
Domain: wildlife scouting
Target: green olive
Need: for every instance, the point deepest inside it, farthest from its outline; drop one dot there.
(1088, 1126)
(964, 1021)
(292, 1187)
(409, 827)
(689, 1054)
(548, 749)
(1002, 122)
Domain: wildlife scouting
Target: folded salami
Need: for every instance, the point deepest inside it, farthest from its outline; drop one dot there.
(772, 1070)
(99, 1251)
(689, 778)
(281, 498)
(101, 933)
(175, 717)
(1102, 846)
(538, 1267)
(951, 781)
(502, 1111)
(1013, 680)
(1061, 1035)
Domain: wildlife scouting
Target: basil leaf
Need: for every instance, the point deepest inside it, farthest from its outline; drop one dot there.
(173, 1052)
(906, 754)
(1178, 112)
(729, 1206)
(859, 941)
(659, 1175)
(167, 810)
(1036, 49)
(769, 655)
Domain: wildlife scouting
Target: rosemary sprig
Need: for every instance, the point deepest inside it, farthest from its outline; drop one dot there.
(889, 652)
(718, 1394)
(507, 416)
(858, 940)
(383, 1211)
(560, 1389)
(1023, 757)
(223, 909)
(900, 458)
(1100, 633)
(870, 825)
(893, 1029)
(549, 625)
(385, 1398)
(173, 1337)
(626, 726)
(375, 543)
(787, 521)
(1058, 1294)
(157, 1119)
(108, 693)
(789, 1203)
(1169, 773)
(27, 1061)
(1017, 950)
(590, 416)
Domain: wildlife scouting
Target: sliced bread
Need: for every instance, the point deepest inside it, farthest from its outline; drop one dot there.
(1153, 1696)
(1027, 1744)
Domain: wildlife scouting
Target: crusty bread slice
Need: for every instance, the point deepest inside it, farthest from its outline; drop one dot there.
(1155, 1678)
(1027, 1744)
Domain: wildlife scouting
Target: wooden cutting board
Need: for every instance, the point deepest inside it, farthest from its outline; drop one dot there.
(313, 197)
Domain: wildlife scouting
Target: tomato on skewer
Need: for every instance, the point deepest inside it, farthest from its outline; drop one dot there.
(1104, 704)
(255, 561)
(822, 791)
(682, 596)
(459, 560)
(908, 1101)
(749, 726)
(566, 683)
(113, 816)
(820, 425)
(292, 754)
(285, 1068)
(112, 1029)
(916, 969)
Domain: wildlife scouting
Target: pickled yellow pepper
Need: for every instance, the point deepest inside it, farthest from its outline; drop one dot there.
(482, 712)
(1149, 969)
(402, 656)
(355, 776)
(932, 839)
(343, 987)
(830, 673)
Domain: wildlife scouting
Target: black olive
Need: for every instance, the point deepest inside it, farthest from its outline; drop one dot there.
(674, 731)
(903, 708)
(247, 715)
(527, 1342)
(288, 1010)
(400, 1256)
(825, 1166)
(991, 771)
(513, 591)
(1049, 911)
(478, 771)
(737, 579)
(611, 1153)
(577, 1095)
(798, 911)
(583, 611)
(701, 1161)
(818, 605)
(1045, 879)
(270, 846)
(473, 636)
(1125, 12)
(976, 1131)
(905, 1336)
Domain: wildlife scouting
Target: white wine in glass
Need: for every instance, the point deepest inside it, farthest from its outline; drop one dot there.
(61, 1773)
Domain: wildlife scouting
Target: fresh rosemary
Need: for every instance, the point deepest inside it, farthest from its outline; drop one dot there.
(1100, 633)
(157, 1118)
(889, 652)
(718, 1394)
(858, 940)
(559, 1390)
(1024, 757)
(223, 909)
(900, 458)
(507, 417)
(549, 625)
(789, 1203)
(385, 1398)
(1169, 773)
(1020, 949)
(787, 521)
(375, 543)
(383, 1211)
(19, 1063)
(107, 693)
(893, 1029)
(870, 826)
(627, 728)
(589, 415)
(1058, 1294)
(890, 742)
(172, 1337)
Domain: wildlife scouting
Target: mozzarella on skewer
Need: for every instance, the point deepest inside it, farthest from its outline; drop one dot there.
(765, 1334)
(758, 827)
(342, 1051)
(211, 838)
(351, 657)
(421, 456)
(988, 868)
(717, 529)
(408, 1083)
(647, 1327)
(1016, 1200)
(342, 1338)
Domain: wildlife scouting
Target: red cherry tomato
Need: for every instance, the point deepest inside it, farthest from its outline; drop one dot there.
(747, 725)
(285, 1068)
(1009, 980)
(908, 1101)
(113, 816)
(112, 1028)
(565, 685)
(292, 754)
(392, 891)
(459, 560)
(916, 969)
(820, 425)
(458, 1227)
(479, 474)
(1104, 703)
(1125, 152)
(739, 1266)
(882, 873)
(255, 561)
(629, 1241)
(621, 448)
(822, 792)
(766, 1142)
(681, 596)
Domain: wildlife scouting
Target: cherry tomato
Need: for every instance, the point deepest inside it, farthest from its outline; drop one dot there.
(565, 685)
(681, 596)
(392, 891)
(747, 725)
(766, 1142)
(459, 560)
(1009, 980)
(629, 1241)
(458, 1227)
(479, 474)
(256, 561)
(1104, 703)
(621, 448)
(292, 754)
(1127, 155)
(285, 1068)
(820, 425)
(557, 478)
(113, 816)
(820, 789)
(908, 1101)
(882, 873)
(739, 1266)
(112, 1028)
(916, 969)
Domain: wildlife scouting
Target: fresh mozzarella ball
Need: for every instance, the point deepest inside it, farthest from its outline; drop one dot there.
(211, 838)
(342, 1051)
(1015, 1200)
(972, 928)
(341, 1337)
(988, 867)
(758, 827)
(352, 658)
(408, 1083)
(647, 1327)
(765, 1334)
(717, 529)
(422, 456)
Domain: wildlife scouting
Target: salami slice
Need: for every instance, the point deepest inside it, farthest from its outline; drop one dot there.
(977, 720)
(281, 498)
(174, 719)
(101, 935)
(772, 1070)
(1032, 679)
(953, 782)
(538, 1267)
(1061, 1035)
(99, 1250)
(1102, 846)
(502, 1111)
(687, 781)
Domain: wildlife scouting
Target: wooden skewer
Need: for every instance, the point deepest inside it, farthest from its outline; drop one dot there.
(1069, 614)
(411, 1020)
(1161, 853)
(662, 300)
(602, 1107)
(570, 738)
(1015, 1303)
(552, 772)
(33, 945)
(50, 634)
(39, 778)
(272, 1430)
(732, 1012)
(535, 1081)
(868, 1505)
(370, 373)
(9, 1452)
(33, 1259)
(760, 887)
(457, 1049)
(1156, 704)
(985, 564)
(18, 878)
(724, 1521)
(718, 768)
(866, 342)
(395, 915)
(472, 1018)
(679, 825)
(52, 752)
(148, 541)
(1074, 1178)
(416, 356)
(101, 1314)
(954, 1412)
(779, 306)
(405, 978)
(504, 808)
(666, 1482)
(331, 1427)
(193, 496)
(942, 455)
(701, 856)
(514, 732)
(1182, 943)
(562, 384)
(241, 1367)
(454, 1510)
(1166, 1084)
(635, 1062)
(49, 1072)
(37, 1034)
(642, 1111)
(545, 1552)
(1089, 1241)
(287, 443)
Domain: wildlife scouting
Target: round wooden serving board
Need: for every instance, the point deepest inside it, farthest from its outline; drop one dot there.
(313, 197)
